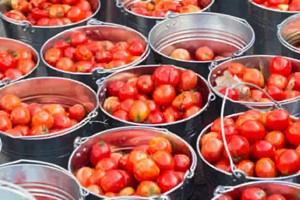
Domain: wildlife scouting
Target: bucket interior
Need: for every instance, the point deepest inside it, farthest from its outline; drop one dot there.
(289, 33)
(224, 34)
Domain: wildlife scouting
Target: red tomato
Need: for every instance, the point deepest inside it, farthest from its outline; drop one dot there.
(99, 151)
(43, 21)
(15, 15)
(253, 131)
(278, 120)
(69, 52)
(239, 148)
(139, 111)
(193, 110)
(254, 76)
(276, 197)
(212, 149)
(232, 93)
(56, 11)
(111, 104)
(276, 138)
(256, 95)
(156, 117)
(25, 66)
(288, 162)
(237, 69)
(84, 66)
(216, 125)
(145, 84)
(184, 100)
(146, 170)
(289, 94)
(83, 53)
(166, 74)
(25, 131)
(188, 80)
(126, 104)
(78, 38)
(159, 144)
(278, 80)
(103, 56)
(22, 54)
(112, 181)
(275, 92)
(293, 134)
(167, 180)
(54, 109)
(163, 160)
(114, 87)
(6, 61)
(39, 130)
(84, 5)
(223, 165)
(163, 95)
(123, 161)
(229, 131)
(246, 166)
(172, 114)
(66, 64)
(69, 2)
(13, 74)
(5, 123)
(107, 164)
(253, 193)
(52, 55)
(208, 135)
(61, 44)
(20, 115)
(83, 174)
(134, 157)
(265, 168)
(136, 48)
(127, 91)
(96, 177)
(77, 112)
(262, 149)
(121, 114)
(9, 101)
(75, 14)
(148, 188)
(39, 13)
(182, 162)
(294, 81)
(204, 54)
(61, 121)
(280, 65)
(42, 118)
(180, 54)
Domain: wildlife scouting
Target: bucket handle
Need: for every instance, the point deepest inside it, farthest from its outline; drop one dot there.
(95, 22)
(222, 189)
(5, 82)
(119, 4)
(79, 141)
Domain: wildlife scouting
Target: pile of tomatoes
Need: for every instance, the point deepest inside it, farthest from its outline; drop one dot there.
(168, 95)
(50, 12)
(81, 54)
(159, 8)
(147, 170)
(284, 5)
(257, 193)
(264, 145)
(202, 54)
(21, 119)
(282, 83)
(14, 65)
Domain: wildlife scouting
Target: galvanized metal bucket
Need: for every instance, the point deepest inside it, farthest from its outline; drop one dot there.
(145, 23)
(264, 21)
(288, 34)
(126, 138)
(287, 189)
(13, 45)
(10, 191)
(36, 35)
(237, 8)
(222, 33)
(54, 147)
(42, 180)
(102, 31)
(185, 128)
(110, 12)
(254, 61)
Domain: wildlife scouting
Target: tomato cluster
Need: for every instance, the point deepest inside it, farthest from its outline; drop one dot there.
(284, 5)
(147, 170)
(20, 119)
(50, 12)
(159, 8)
(282, 83)
(168, 95)
(257, 193)
(81, 54)
(262, 145)
(14, 65)
(202, 54)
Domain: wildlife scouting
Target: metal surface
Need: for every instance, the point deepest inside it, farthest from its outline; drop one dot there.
(145, 23)
(110, 12)
(37, 35)
(185, 128)
(42, 180)
(126, 138)
(12, 45)
(238, 8)
(54, 147)
(287, 189)
(264, 21)
(97, 31)
(224, 34)
(9, 191)
(262, 63)
(289, 36)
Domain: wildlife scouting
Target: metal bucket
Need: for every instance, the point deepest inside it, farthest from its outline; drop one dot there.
(127, 138)
(110, 12)
(289, 36)
(42, 180)
(289, 190)
(13, 45)
(215, 176)
(96, 30)
(185, 128)
(37, 35)
(145, 23)
(254, 61)
(54, 147)
(9, 191)
(222, 33)
(238, 8)
(264, 21)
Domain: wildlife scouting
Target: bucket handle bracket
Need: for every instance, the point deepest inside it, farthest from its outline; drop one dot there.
(79, 141)
(221, 190)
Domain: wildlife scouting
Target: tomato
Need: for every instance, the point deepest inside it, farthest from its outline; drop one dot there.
(276, 197)
(14, 132)
(13, 74)
(77, 112)
(83, 53)
(276, 138)
(163, 160)
(289, 94)
(237, 69)
(126, 104)
(54, 109)
(163, 95)
(78, 38)
(69, 2)
(121, 114)
(275, 92)
(148, 188)
(112, 181)
(9, 101)
(42, 118)
(103, 56)
(75, 14)
(208, 135)
(246, 166)
(293, 134)
(159, 144)
(66, 64)
(256, 95)
(146, 170)
(61, 44)
(20, 5)
(193, 110)
(180, 54)
(61, 121)
(55, 22)
(278, 80)
(229, 131)
(127, 191)
(182, 162)
(188, 80)
(278, 120)
(69, 52)
(254, 76)
(39, 13)
(84, 66)
(156, 117)
(20, 115)
(84, 5)
(95, 189)
(96, 177)
(25, 131)
(265, 168)
(223, 165)
(134, 157)
(39, 130)
(167, 180)
(166, 74)
(239, 148)
(136, 48)
(99, 151)
(127, 91)
(22, 54)
(145, 83)
(140, 11)
(262, 149)
(114, 87)
(115, 63)
(225, 197)
(204, 54)
(172, 114)
(212, 150)
(199, 100)
(216, 125)
(15, 15)
(280, 65)
(56, 11)
(288, 162)
(43, 21)
(123, 161)
(25, 66)
(6, 61)
(119, 46)
(139, 111)
(232, 93)
(121, 55)
(107, 164)
(294, 81)
(253, 131)
(184, 100)
(253, 193)
(5, 123)
(83, 174)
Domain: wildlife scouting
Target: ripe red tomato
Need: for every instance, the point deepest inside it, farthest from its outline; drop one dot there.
(232, 93)
(84, 5)
(39, 130)
(136, 48)
(82, 52)
(75, 14)
(145, 84)
(275, 92)
(229, 131)
(253, 193)
(121, 114)
(42, 118)
(180, 54)
(280, 65)
(43, 21)
(253, 131)
(112, 181)
(127, 91)
(148, 188)
(156, 117)
(77, 112)
(188, 80)
(204, 54)
(103, 56)
(146, 170)
(216, 125)
(167, 180)
(55, 22)
(139, 111)
(22, 54)
(288, 162)
(293, 134)
(126, 104)
(237, 69)
(166, 74)
(278, 80)
(163, 95)
(289, 94)
(61, 121)
(184, 100)
(276, 138)
(123, 161)
(99, 151)
(96, 177)
(9, 101)
(262, 149)
(182, 162)
(239, 148)
(107, 164)
(208, 135)
(278, 119)
(193, 110)
(172, 114)
(66, 64)
(254, 76)
(78, 38)
(25, 65)
(114, 87)
(276, 197)
(134, 157)
(83, 174)
(6, 61)
(265, 168)
(13, 74)
(25, 131)
(212, 149)
(246, 166)
(5, 123)
(163, 160)
(223, 165)
(69, 52)
(294, 81)
(84, 66)
(20, 115)
(56, 11)
(225, 197)
(159, 144)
